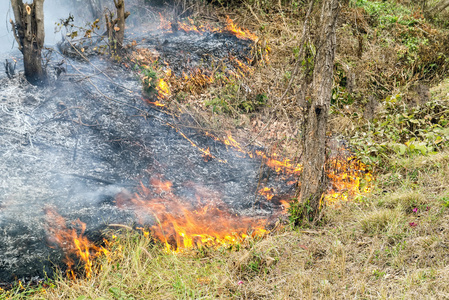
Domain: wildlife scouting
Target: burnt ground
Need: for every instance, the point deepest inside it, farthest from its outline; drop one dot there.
(187, 51)
(74, 145)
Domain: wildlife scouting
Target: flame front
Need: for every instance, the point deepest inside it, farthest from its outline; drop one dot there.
(181, 224)
(267, 192)
(71, 242)
(240, 33)
(189, 25)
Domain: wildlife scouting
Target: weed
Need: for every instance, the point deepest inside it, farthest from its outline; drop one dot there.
(381, 221)
(297, 211)
(378, 274)
(149, 80)
(445, 201)
(403, 131)
(405, 201)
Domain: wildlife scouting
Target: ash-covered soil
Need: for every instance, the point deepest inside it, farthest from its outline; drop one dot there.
(185, 51)
(74, 145)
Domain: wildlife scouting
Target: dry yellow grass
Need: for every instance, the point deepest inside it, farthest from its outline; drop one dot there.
(374, 249)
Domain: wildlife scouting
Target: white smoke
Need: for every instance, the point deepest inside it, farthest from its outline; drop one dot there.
(54, 11)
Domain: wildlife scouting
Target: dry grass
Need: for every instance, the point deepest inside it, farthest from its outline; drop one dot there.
(375, 249)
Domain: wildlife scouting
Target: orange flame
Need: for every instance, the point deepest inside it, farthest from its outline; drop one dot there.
(72, 243)
(349, 178)
(205, 152)
(285, 205)
(346, 173)
(164, 23)
(181, 224)
(189, 25)
(280, 166)
(156, 103)
(267, 192)
(238, 32)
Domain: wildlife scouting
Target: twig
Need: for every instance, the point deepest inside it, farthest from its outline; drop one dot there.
(120, 225)
(88, 177)
(301, 49)
(98, 69)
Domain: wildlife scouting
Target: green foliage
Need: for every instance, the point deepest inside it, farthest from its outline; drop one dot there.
(19, 291)
(149, 80)
(387, 13)
(81, 37)
(403, 131)
(378, 274)
(408, 47)
(218, 105)
(118, 294)
(89, 298)
(445, 201)
(298, 212)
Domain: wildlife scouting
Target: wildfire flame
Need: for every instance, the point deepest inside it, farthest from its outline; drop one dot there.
(189, 25)
(267, 192)
(274, 161)
(164, 23)
(163, 89)
(182, 224)
(206, 221)
(72, 242)
(195, 80)
(349, 178)
(240, 33)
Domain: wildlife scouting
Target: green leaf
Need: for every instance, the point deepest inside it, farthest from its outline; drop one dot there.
(115, 291)
(422, 148)
(402, 149)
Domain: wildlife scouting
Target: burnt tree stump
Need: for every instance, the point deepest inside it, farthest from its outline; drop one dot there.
(29, 32)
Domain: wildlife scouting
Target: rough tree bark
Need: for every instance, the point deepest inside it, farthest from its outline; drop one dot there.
(29, 32)
(437, 8)
(313, 182)
(116, 27)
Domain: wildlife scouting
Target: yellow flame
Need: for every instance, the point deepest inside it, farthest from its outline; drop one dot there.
(163, 89)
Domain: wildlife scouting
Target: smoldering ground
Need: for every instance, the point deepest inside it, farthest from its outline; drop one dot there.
(75, 144)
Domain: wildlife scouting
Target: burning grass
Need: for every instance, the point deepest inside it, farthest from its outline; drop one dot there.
(77, 247)
(369, 249)
(182, 224)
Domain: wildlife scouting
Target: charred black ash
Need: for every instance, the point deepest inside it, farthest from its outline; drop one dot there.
(189, 51)
(90, 137)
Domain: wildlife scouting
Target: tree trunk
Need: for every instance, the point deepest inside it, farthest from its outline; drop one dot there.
(116, 27)
(313, 182)
(438, 7)
(29, 32)
(120, 6)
